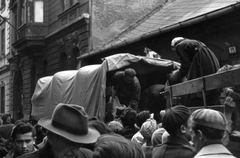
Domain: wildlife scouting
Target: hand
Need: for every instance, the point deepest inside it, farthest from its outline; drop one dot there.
(229, 102)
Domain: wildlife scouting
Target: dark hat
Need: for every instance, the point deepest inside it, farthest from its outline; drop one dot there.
(128, 117)
(71, 122)
(209, 118)
(130, 72)
(175, 117)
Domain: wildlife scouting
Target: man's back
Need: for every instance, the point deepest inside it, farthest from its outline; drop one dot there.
(172, 151)
(174, 148)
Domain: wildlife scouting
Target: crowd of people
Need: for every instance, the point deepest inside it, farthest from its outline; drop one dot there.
(71, 133)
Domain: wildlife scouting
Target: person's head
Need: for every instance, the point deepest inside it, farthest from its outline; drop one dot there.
(128, 117)
(67, 129)
(129, 75)
(6, 119)
(115, 126)
(148, 128)
(176, 121)
(22, 137)
(142, 117)
(109, 146)
(207, 125)
(100, 126)
(175, 42)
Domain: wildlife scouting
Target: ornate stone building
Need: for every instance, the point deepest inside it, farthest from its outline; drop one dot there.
(4, 54)
(50, 35)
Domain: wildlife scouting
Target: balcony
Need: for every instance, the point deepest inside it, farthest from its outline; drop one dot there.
(30, 35)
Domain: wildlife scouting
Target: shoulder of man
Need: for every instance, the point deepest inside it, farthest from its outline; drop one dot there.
(163, 147)
(159, 150)
(84, 153)
(33, 154)
(189, 147)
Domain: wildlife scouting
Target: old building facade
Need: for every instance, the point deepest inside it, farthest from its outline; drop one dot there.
(49, 37)
(4, 53)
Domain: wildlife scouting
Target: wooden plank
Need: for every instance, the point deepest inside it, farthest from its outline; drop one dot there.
(214, 81)
(225, 79)
(188, 87)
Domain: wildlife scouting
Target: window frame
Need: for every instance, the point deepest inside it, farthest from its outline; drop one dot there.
(3, 4)
(3, 41)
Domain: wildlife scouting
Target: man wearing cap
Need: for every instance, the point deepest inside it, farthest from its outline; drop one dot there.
(196, 60)
(177, 123)
(127, 87)
(67, 129)
(208, 127)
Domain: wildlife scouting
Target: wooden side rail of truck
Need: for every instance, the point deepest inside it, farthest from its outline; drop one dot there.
(223, 79)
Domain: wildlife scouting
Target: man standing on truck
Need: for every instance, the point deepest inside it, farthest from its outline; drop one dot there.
(196, 60)
(127, 87)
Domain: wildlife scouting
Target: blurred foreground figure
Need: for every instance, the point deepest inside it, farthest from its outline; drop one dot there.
(116, 146)
(67, 129)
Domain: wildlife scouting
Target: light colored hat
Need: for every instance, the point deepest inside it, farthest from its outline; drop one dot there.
(148, 128)
(115, 126)
(71, 122)
(209, 118)
(175, 41)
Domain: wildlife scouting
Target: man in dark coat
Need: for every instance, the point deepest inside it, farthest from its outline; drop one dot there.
(177, 123)
(127, 87)
(196, 60)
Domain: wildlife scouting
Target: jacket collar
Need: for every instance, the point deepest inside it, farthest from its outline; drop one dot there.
(213, 149)
(178, 140)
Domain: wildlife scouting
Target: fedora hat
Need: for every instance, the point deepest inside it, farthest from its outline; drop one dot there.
(71, 122)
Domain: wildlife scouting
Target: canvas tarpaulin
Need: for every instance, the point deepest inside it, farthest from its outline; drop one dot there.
(86, 86)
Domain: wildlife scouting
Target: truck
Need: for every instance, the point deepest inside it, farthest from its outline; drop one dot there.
(91, 87)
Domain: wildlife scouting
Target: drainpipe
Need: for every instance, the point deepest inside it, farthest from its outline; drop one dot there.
(189, 22)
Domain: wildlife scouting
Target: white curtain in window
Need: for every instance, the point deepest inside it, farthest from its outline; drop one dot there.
(38, 11)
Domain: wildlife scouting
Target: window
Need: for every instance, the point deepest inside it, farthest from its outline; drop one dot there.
(3, 41)
(63, 63)
(3, 3)
(22, 10)
(38, 11)
(68, 3)
(2, 101)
